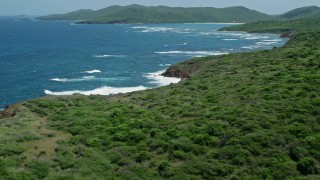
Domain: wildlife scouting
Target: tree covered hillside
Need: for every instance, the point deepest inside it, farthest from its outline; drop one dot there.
(239, 116)
(300, 13)
(286, 27)
(162, 14)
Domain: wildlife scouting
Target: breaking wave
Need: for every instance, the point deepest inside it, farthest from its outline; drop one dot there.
(164, 65)
(266, 43)
(87, 78)
(273, 40)
(194, 53)
(72, 80)
(106, 56)
(159, 80)
(147, 29)
(105, 90)
(93, 71)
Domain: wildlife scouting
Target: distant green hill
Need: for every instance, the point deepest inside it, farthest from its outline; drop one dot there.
(278, 26)
(162, 14)
(304, 12)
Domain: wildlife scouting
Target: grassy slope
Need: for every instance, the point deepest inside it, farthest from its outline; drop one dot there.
(245, 115)
(163, 14)
(300, 13)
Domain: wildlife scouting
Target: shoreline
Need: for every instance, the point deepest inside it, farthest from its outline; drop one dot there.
(125, 23)
(156, 78)
(170, 72)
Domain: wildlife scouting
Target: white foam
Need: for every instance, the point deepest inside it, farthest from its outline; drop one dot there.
(65, 80)
(252, 38)
(193, 52)
(234, 35)
(158, 29)
(87, 78)
(251, 47)
(230, 39)
(261, 44)
(273, 40)
(147, 29)
(93, 71)
(106, 56)
(266, 43)
(105, 90)
(164, 65)
(139, 27)
(157, 78)
(182, 44)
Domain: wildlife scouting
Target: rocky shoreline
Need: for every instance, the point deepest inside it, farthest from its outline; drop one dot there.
(9, 111)
(173, 71)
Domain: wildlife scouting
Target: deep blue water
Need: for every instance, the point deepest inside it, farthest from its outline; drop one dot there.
(53, 56)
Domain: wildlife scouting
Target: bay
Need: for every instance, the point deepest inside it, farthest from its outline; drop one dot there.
(61, 58)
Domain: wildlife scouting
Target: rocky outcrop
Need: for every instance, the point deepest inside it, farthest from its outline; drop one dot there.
(287, 35)
(90, 22)
(176, 72)
(9, 111)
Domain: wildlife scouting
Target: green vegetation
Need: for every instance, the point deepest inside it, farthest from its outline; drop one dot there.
(300, 13)
(290, 27)
(162, 14)
(239, 116)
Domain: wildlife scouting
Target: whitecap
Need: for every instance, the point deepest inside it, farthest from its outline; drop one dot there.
(146, 29)
(157, 29)
(233, 35)
(230, 39)
(252, 38)
(193, 52)
(93, 71)
(139, 27)
(164, 65)
(273, 40)
(157, 78)
(88, 77)
(266, 43)
(69, 80)
(106, 56)
(105, 90)
(251, 47)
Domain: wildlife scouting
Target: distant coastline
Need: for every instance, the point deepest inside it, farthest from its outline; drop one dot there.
(134, 14)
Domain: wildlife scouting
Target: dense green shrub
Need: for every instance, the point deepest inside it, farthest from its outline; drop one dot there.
(306, 166)
(38, 169)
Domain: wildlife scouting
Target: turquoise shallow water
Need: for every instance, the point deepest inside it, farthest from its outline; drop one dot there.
(60, 57)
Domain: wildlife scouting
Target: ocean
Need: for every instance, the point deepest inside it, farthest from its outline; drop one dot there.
(39, 58)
